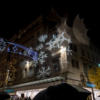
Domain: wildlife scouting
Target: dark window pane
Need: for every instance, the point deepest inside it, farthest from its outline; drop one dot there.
(90, 67)
(71, 46)
(56, 64)
(83, 52)
(85, 68)
(73, 63)
(88, 55)
(25, 70)
(75, 49)
(30, 68)
(77, 65)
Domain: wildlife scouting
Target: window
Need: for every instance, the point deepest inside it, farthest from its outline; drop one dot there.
(77, 65)
(85, 68)
(88, 55)
(25, 70)
(97, 59)
(83, 52)
(31, 71)
(75, 49)
(73, 63)
(93, 58)
(71, 46)
(90, 67)
(56, 64)
(20, 74)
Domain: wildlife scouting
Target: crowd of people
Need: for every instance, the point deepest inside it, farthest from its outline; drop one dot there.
(27, 98)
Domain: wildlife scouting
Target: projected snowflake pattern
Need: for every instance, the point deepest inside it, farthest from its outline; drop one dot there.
(42, 38)
(68, 50)
(2, 45)
(58, 41)
(42, 56)
(39, 47)
(44, 72)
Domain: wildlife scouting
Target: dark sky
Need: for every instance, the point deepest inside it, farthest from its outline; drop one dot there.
(15, 15)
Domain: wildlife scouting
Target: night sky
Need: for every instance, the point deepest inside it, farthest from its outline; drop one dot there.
(16, 15)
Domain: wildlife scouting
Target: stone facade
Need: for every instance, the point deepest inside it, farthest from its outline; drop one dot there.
(82, 58)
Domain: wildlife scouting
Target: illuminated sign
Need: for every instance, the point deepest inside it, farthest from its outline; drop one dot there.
(90, 85)
(8, 91)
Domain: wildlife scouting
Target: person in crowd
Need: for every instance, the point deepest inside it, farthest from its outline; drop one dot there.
(29, 98)
(22, 98)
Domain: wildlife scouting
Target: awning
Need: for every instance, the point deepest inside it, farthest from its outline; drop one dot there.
(37, 82)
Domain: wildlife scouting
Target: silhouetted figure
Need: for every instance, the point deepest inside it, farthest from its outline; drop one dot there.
(29, 98)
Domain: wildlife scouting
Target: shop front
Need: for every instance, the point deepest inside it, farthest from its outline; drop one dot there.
(11, 92)
(30, 89)
(95, 93)
(29, 93)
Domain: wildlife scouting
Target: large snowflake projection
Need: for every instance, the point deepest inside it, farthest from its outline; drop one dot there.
(2, 44)
(41, 57)
(44, 72)
(57, 43)
(42, 38)
(68, 50)
(40, 46)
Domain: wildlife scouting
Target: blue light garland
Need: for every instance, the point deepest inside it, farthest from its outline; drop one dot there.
(31, 54)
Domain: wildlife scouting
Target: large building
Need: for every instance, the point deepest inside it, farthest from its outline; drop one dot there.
(64, 55)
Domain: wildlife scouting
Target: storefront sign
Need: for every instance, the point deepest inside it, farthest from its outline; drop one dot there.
(90, 85)
(8, 91)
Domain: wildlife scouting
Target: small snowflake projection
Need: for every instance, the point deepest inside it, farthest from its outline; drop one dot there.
(44, 72)
(42, 38)
(68, 50)
(2, 44)
(31, 48)
(42, 56)
(39, 47)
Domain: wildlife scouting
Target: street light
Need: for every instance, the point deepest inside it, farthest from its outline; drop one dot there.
(99, 65)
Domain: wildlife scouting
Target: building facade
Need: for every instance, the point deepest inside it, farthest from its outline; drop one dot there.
(59, 60)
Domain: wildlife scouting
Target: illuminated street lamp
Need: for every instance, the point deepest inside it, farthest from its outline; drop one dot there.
(99, 65)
